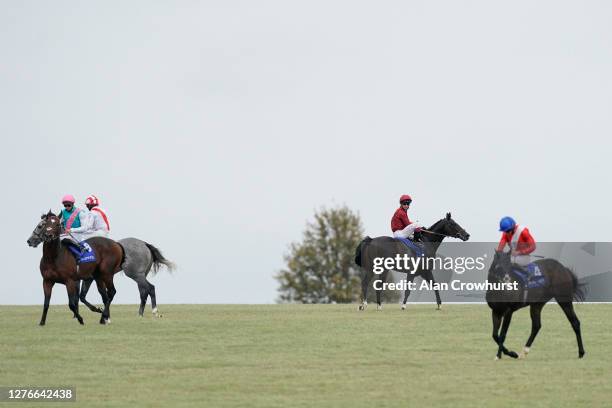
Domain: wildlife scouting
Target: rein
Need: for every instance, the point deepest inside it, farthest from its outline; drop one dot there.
(437, 233)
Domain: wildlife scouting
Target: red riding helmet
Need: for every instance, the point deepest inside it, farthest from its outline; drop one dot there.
(405, 197)
(92, 200)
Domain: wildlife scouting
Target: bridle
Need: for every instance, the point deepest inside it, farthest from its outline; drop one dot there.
(43, 235)
(424, 231)
(456, 235)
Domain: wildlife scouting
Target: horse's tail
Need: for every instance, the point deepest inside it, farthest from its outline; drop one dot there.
(158, 259)
(365, 241)
(579, 288)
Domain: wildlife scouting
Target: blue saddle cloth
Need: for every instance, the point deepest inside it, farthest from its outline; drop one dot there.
(86, 256)
(418, 250)
(531, 279)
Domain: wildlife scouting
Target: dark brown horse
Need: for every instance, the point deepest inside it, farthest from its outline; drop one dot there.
(58, 265)
(561, 284)
(387, 247)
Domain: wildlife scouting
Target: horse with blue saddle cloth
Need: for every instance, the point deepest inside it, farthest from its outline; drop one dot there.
(537, 284)
(371, 249)
(68, 264)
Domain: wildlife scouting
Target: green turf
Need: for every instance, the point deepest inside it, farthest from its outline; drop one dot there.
(307, 355)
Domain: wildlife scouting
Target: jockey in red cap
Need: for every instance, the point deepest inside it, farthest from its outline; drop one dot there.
(401, 225)
(99, 225)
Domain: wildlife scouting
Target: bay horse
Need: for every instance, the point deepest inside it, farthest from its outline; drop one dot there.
(388, 247)
(58, 265)
(561, 284)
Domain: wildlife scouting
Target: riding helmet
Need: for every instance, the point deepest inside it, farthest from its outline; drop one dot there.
(506, 224)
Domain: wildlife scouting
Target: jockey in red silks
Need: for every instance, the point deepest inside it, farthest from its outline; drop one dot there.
(401, 225)
(519, 240)
(98, 220)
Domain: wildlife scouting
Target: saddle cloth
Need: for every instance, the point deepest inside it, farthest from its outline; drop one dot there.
(418, 250)
(532, 278)
(86, 256)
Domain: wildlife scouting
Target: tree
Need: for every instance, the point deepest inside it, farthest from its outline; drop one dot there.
(321, 268)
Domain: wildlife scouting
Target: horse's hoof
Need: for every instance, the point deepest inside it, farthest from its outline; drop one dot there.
(379, 307)
(41, 323)
(581, 354)
(361, 307)
(512, 354)
(404, 306)
(524, 352)
(108, 321)
(439, 307)
(497, 358)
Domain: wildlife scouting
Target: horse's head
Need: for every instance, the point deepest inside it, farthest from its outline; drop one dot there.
(447, 226)
(501, 264)
(48, 229)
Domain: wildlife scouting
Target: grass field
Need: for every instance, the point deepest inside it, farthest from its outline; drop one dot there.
(307, 355)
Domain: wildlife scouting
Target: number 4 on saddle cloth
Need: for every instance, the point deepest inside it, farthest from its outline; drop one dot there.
(531, 277)
(85, 254)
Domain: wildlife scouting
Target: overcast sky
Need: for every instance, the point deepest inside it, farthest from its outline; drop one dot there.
(214, 130)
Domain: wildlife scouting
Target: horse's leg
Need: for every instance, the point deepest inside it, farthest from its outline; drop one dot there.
(406, 293)
(72, 287)
(497, 318)
(428, 275)
(383, 279)
(507, 318)
(110, 288)
(535, 310)
(568, 308)
(47, 288)
(104, 295)
(153, 300)
(85, 284)
(365, 283)
(143, 289)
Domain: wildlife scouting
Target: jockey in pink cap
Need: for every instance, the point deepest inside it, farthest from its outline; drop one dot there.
(74, 220)
(99, 225)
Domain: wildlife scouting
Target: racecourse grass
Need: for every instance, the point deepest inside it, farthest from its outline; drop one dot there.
(306, 356)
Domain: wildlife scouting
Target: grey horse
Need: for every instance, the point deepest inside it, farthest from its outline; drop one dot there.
(140, 258)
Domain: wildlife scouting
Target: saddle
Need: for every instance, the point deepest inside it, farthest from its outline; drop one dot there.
(531, 277)
(82, 254)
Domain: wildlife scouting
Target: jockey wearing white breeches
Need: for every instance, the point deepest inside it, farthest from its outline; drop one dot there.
(407, 232)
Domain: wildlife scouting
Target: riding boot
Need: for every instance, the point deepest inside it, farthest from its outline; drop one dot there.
(418, 240)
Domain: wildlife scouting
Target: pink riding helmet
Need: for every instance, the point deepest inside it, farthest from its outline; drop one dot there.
(68, 198)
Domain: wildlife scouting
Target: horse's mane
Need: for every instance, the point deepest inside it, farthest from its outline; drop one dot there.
(435, 224)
